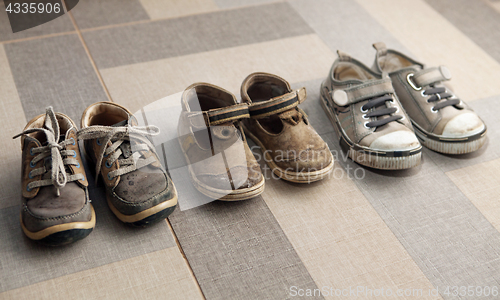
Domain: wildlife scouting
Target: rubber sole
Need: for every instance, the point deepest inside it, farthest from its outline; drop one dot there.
(149, 216)
(451, 146)
(383, 160)
(62, 234)
(220, 194)
(297, 177)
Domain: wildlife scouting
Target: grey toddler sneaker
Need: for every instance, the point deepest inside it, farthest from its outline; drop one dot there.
(442, 121)
(367, 116)
(56, 209)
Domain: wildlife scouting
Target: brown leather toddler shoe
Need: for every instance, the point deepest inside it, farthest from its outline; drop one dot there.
(56, 209)
(292, 148)
(138, 190)
(220, 163)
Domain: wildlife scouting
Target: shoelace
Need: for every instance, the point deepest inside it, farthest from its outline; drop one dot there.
(117, 136)
(437, 94)
(56, 151)
(376, 102)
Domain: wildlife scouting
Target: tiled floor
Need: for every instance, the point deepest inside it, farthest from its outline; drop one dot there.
(431, 227)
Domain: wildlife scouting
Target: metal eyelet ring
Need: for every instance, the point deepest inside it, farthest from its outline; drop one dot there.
(28, 189)
(108, 165)
(365, 117)
(363, 111)
(433, 110)
(397, 110)
(408, 78)
(32, 165)
(402, 119)
(74, 143)
(83, 179)
(366, 126)
(423, 93)
(74, 155)
(78, 165)
(30, 176)
(109, 177)
(98, 141)
(105, 155)
(31, 152)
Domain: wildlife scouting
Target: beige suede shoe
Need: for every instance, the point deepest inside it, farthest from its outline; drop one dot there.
(442, 122)
(220, 163)
(56, 209)
(292, 148)
(367, 116)
(138, 189)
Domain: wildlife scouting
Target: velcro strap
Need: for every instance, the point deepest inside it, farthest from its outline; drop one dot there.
(219, 116)
(362, 92)
(431, 75)
(277, 105)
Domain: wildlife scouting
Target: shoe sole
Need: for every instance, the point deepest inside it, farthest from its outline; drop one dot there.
(149, 216)
(220, 194)
(297, 177)
(450, 145)
(62, 234)
(383, 160)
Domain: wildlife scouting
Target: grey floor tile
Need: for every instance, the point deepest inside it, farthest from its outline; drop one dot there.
(54, 71)
(345, 25)
(23, 262)
(96, 13)
(489, 110)
(150, 41)
(239, 3)
(61, 24)
(237, 250)
(439, 227)
(476, 19)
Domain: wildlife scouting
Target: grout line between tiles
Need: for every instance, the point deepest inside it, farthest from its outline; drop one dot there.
(185, 258)
(88, 52)
(37, 37)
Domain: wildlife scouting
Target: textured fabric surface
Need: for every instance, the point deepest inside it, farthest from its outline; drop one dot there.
(434, 226)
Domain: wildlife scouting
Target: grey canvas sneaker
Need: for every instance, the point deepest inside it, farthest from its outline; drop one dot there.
(56, 209)
(138, 190)
(442, 121)
(367, 116)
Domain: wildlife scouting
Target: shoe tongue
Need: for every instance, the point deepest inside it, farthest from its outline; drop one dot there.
(125, 146)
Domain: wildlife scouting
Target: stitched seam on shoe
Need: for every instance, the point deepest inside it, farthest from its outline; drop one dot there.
(55, 218)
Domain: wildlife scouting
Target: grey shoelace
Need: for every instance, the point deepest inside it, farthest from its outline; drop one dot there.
(56, 150)
(118, 136)
(387, 111)
(437, 94)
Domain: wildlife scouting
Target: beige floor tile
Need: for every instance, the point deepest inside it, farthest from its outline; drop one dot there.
(435, 41)
(296, 59)
(12, 122)
(158, 275)
(341, 239)
(480, 184)
(160, 9)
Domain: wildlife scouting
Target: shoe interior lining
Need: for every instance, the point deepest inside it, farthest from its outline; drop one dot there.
(206, 97)
(393, 62)
(105, 115)
(348, 71)
(64, 125)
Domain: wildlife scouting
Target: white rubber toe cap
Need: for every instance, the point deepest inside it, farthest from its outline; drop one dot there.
(396, 141)
(463, 125)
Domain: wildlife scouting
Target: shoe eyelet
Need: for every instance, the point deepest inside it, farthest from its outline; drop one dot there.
(74, 142)
(408, 78)
(366, 126)
(83, 179)
(74, 153)
(433, 110)
(108, 165)
(365, 117)
(78, 165)
(422, 93)
(32, 165)
(31, 152)
(363, 111)
(105, 155)
(110, 178)
(30, 176)
(28, 189)
(98, 141)
(403, 118)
